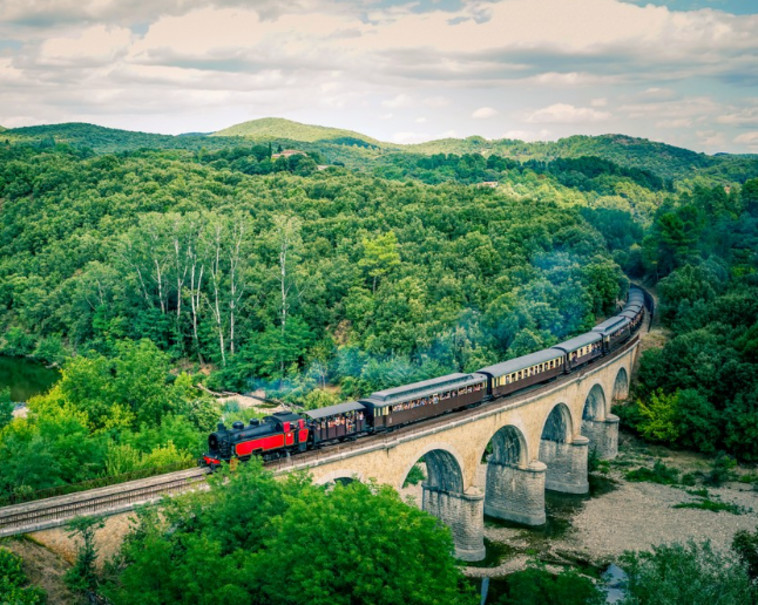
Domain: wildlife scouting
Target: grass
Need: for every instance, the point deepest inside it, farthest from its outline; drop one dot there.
(713, 506)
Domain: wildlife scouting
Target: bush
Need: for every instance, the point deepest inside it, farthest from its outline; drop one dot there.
(14, 583)
(660, 473)
(690, 574)
(536, 586)
(415, 475)
(722, 470)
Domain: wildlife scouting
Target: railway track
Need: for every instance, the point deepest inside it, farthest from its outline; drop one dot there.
(54, 512)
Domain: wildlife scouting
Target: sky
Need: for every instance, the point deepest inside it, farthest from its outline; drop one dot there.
(684, 72)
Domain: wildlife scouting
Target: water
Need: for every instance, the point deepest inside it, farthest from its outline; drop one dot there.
(25, 378)
(614, 584)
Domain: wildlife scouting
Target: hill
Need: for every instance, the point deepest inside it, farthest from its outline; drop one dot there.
(665, 160)
(108, 140)
(358, 151)
(267, 129)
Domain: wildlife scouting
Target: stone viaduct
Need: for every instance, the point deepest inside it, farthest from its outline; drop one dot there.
(530, 441)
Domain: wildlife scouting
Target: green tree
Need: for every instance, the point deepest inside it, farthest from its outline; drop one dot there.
(536, 586)
(82, 577)
(6, 406)
(745, 544)
(14, 585)
(689, 574)
(659, 417)
(351, 544)
(380, 256)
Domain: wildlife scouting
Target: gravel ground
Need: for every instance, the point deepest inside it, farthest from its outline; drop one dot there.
(632, 516)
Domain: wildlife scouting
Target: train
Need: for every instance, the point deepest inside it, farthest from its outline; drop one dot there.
(288, 433)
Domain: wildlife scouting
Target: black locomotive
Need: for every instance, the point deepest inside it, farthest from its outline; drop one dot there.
(288, 433)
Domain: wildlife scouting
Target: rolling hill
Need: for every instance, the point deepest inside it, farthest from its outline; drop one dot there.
(359, 151)
(268, 129)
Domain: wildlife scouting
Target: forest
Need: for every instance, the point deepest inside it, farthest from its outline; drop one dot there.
(166, 265)
(144, 266)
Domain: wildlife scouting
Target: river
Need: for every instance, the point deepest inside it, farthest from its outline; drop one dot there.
(25, 378)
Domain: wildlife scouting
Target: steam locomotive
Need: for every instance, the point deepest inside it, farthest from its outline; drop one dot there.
(287, 433)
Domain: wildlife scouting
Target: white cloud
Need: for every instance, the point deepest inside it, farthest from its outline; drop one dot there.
(571, 79)
(484, 112)
(528, 135)
(436, 102)
(399, 101)
(748, 138)
(409, 137)
(656, 93)
(712, 138)
(743, 117)
(563, 113)
(174, 61)
(95, 45)
(673, 124)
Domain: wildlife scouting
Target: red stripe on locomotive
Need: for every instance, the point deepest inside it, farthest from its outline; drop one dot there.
(302, 436)
(265, 444)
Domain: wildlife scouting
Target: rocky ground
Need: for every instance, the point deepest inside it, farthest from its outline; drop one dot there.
(624, 516)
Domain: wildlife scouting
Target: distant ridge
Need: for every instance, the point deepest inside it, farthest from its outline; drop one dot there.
(357, 150)
(266, 129)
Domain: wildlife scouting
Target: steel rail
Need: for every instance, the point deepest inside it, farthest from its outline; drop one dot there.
(58, 510)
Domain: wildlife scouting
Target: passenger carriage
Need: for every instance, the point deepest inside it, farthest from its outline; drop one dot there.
(341, 421)
(420, 400)
(614, 332)
(634, 315)
(509, 376)
(581, 349)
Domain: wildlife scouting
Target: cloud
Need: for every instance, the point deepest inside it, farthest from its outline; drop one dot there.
(484, 112)
(399, 101)
(528, 135)
(562, 113)
(405, 138)
(742, 117)
(748, 138)
(93, 46)
(557, 62)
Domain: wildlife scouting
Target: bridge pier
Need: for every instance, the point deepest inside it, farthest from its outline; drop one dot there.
(516, 494)
(566, 465)
(603, 436)
(463, 514)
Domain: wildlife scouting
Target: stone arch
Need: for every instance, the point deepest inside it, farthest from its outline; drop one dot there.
(514, 489)
(621, 385)
(443, 468)
(595, 404)
(564, 453)
(508, 447)
(339, 476)
(558, 425)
